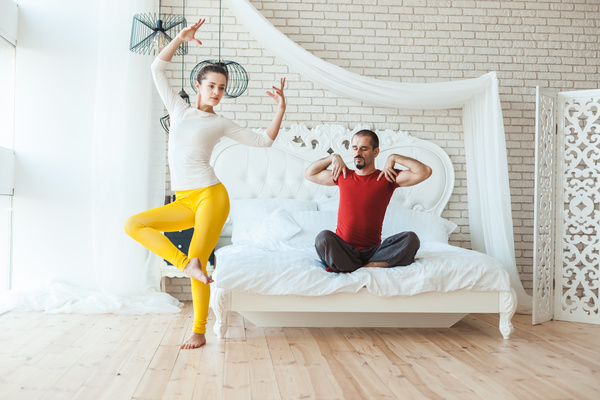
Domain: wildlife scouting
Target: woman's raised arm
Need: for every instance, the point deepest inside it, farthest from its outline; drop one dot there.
(273, 128)
(186, 35)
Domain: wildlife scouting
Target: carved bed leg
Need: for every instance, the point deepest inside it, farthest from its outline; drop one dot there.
(220, 306)
(508, 302)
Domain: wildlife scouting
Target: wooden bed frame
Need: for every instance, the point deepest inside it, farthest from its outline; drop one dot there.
(277, 172)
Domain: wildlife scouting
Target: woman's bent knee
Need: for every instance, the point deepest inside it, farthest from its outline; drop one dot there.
(132, 225)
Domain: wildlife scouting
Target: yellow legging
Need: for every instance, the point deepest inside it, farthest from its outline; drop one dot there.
(204, 209)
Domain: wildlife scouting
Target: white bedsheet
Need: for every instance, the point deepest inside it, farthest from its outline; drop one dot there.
(296, 270)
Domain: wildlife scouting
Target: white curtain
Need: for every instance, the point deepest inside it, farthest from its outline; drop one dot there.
(487, 171)
(125, 180)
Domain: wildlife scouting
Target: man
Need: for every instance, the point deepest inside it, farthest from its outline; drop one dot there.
(364, 197)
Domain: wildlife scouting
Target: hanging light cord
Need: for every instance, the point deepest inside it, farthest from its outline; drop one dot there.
(183, 55)
(220, 2)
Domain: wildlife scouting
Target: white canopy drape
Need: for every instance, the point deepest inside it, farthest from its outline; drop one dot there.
(488, 189)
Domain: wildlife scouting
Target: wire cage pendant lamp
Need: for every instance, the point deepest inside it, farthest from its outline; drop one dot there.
(237, 80)
(151, 32)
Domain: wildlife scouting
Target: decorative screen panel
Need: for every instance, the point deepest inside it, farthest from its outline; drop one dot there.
(545, 208)
(577, 273)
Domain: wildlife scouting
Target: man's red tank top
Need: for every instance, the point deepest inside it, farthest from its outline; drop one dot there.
(363, 202)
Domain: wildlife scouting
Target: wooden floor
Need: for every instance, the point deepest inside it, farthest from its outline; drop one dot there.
(137, 357)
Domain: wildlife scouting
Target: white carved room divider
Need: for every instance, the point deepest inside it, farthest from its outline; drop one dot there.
(566, 273)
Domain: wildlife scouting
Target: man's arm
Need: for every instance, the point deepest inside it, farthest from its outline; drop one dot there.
(416, 171)
(317, 172)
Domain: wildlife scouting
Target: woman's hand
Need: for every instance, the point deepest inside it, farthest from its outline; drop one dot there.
(188, 34)
(273, 128)
(278, 95)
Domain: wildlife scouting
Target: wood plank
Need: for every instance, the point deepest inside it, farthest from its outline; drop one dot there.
(156, 378)
(290, 380)
(108, 363)
(41, 354)
(583, 338)
(19, 328)
(312, 365)
(67, 350)
(466, 364)
(263, 382)
(369, 346)
(209, 380)
(405, 349)
(353, 374)
(106, 331)
(555, 351)
(517, 354)
(182, 381)
(236, 379)
(17, 331)
(56, 367)
(499, 362)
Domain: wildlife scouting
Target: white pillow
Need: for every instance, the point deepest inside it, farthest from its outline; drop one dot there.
(428, 227)
(311, 223)
(259, 220)
(325, 203)
(275, 227)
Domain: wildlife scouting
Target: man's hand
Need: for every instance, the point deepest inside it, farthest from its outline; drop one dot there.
(388, 170)
(414, 173)
(317, 172)
(338, 167)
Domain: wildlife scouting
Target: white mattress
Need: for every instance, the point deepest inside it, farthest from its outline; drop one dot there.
(298, 271)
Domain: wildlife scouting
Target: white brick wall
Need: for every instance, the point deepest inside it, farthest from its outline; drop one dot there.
(550, 43)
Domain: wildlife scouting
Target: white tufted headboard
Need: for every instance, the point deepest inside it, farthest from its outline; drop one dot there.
(278, 171)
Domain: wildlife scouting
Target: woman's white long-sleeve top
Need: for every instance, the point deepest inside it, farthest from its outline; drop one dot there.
(193, 135)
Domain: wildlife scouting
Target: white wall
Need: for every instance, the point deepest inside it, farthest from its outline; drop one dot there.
(55, 80)
(8, 20)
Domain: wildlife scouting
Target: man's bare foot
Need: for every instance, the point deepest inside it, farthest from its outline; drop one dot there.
(193, 269)
(377, 264)
(194, 341)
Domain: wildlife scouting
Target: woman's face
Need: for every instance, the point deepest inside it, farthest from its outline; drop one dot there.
(212, 88)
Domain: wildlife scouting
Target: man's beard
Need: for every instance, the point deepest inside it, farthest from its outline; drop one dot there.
(359, 166)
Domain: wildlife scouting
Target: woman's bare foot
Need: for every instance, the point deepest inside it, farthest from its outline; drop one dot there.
(194, 341)
(193, 269)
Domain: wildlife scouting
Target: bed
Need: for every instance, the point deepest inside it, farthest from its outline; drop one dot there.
(268, 271)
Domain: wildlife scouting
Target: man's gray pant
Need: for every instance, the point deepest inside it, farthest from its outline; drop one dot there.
(339, 256)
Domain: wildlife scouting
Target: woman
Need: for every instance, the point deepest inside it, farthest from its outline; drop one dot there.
(201, 200)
